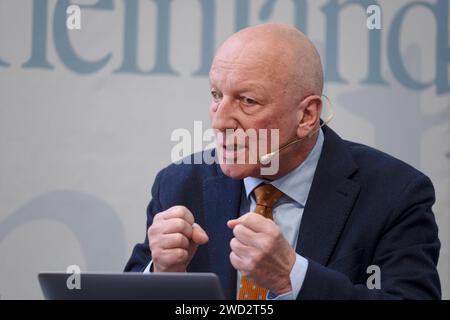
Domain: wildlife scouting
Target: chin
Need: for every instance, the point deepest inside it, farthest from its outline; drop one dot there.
(239, 171)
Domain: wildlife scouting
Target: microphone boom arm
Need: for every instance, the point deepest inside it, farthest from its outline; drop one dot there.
(266, 158)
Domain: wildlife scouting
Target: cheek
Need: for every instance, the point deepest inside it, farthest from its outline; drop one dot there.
(259, 122)
(276, 117)
(285, 125)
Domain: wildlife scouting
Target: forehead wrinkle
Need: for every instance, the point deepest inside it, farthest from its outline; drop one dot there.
(238, 79)
(250, 72)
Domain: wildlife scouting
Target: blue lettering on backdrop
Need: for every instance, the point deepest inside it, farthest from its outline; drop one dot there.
(163, 43)
(301, 16)
(62, 43)
(331, 10)
(241, 13)
(208, 8)
(38, 57)
(440, 12)
(242, 17)
(401, 139)
(130, 34)
(162, 54)
(3, 64)
(63, 46)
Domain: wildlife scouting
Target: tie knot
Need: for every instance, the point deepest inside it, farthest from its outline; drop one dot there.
(266, 195)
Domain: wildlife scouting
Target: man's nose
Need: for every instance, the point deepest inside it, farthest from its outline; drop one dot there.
(224, 117)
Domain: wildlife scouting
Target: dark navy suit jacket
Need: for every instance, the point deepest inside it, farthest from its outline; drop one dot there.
(364, 208)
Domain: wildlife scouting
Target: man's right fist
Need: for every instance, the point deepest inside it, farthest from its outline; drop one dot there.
(173, 238)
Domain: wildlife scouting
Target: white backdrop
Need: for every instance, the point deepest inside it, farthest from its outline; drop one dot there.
(86, 115)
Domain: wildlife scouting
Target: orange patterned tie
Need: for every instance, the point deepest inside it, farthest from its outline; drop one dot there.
(266, 195)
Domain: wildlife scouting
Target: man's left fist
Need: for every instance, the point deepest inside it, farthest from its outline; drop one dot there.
(260, 252)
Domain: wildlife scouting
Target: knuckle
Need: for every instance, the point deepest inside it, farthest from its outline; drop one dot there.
(179, 224)
(165, 241)
(153, 242)
(236, 262)
(158, 216)
(181, 255)
(234, 244)
(176, 208)
(253, 218)
(174, 225)
(257, 256)
(276, 232)
(233, 260)
(152, 230)
(237, 230)
(266, 245)
(156, 255)
(181, 210)
(179, 240)
(250, 265)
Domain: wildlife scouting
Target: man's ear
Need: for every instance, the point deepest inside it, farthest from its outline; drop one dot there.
(310, 108)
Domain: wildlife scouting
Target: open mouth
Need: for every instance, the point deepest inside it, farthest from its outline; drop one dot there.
(231, 151)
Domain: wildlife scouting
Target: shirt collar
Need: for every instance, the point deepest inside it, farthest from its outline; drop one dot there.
(295, 184)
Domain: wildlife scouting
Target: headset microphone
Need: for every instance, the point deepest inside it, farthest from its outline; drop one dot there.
(266, 158)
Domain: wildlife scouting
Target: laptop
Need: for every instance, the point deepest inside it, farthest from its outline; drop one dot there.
(131, 286)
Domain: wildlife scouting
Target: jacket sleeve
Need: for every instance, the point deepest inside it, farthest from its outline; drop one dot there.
(407, 255)
(141, 254)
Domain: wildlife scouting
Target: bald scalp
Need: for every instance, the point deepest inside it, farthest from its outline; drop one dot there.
(288, 55)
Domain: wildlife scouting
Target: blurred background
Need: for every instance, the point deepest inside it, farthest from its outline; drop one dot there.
(86, 115)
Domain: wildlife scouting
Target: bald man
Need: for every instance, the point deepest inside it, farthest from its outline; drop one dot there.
(336, 220)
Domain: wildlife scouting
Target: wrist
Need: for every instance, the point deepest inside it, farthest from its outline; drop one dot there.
(284, 287)
(154, 268)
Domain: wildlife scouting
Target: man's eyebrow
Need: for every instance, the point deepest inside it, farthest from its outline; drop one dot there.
(242, 87)
(211, 80)
(212, 85)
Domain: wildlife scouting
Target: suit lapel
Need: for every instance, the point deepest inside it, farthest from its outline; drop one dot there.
(221, 203)
(330, 200)
(329, 204)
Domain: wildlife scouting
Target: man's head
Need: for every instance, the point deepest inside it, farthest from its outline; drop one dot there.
(266, 77)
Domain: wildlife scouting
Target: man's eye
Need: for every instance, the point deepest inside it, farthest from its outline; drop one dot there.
(215, 95)
(248, 101)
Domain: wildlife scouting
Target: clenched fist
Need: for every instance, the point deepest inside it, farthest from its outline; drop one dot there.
(260, 252)
(173, 238)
